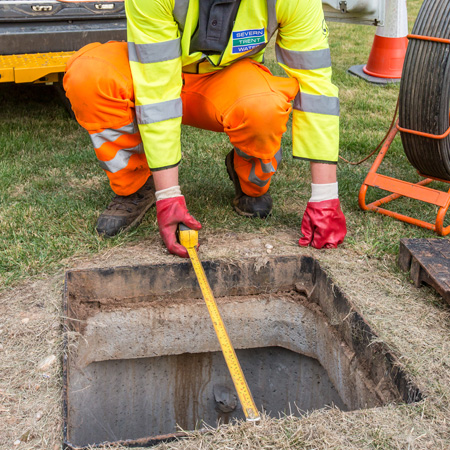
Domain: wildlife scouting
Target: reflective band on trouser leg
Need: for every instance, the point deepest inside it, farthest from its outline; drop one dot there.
(255, 173)
(99, 86)
(121, 155)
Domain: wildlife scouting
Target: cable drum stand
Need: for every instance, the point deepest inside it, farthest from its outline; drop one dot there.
(424, 101)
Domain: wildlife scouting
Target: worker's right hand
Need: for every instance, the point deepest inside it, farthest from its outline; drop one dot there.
(169, 213)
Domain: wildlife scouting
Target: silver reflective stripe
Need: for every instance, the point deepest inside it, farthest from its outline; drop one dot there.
(180, 12)
(155, 52)
(157, 112)
(254, 179)
(267, 167)
(272, 22)
(110, 135)
(319, 104)
(278, 156)
(120, 161)
(242, 154)
(315, 59)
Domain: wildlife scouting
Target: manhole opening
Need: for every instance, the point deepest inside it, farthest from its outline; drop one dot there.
(142, 359)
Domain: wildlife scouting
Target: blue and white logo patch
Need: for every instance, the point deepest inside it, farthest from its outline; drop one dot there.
(245, 40)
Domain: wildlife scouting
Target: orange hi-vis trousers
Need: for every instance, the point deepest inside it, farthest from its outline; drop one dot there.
(243, 100)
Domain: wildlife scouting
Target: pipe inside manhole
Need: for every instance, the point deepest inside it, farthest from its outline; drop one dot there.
(142, 358)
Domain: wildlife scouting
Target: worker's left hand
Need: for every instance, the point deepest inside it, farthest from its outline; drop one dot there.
(323, 224)
(170, 212)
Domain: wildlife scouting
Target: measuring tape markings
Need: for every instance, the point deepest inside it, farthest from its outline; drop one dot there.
(245, 397)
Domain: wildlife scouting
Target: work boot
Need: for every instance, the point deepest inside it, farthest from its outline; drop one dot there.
(125, 212)
(243, 204)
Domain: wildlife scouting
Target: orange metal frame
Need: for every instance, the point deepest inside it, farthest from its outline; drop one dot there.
(418, 191)
(399, 188)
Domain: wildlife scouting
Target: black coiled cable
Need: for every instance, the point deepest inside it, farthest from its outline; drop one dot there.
(424, 97)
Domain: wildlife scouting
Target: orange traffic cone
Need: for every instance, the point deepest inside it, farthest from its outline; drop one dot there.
(386, 58)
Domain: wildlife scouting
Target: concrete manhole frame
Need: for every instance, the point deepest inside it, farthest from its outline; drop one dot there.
(366, 372)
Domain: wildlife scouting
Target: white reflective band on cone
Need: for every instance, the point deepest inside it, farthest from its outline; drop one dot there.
(396, 21)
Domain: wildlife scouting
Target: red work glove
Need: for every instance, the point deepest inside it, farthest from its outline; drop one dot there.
(323, 224)
(169, 213)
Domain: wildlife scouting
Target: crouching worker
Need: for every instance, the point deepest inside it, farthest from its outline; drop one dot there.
(200, 63)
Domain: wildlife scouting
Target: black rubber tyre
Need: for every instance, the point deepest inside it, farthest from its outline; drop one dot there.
(425, 92)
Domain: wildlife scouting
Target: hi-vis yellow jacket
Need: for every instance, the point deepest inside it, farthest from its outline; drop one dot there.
(159, 34)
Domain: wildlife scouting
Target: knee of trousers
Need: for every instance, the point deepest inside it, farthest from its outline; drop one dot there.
(256, 123)
(99, 86)
(255, 174)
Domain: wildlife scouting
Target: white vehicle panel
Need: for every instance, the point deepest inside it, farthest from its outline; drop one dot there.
(365, 12)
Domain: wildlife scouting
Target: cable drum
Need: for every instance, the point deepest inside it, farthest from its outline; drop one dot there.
(424, 97)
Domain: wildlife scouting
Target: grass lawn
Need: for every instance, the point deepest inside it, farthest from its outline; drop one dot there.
(52, 191)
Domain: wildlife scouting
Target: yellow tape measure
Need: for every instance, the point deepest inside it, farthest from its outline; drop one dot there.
(189, 239)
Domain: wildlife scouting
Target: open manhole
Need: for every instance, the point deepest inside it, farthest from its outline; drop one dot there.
(142, 359)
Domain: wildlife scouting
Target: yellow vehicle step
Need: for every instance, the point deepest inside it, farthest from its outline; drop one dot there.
(35, 67)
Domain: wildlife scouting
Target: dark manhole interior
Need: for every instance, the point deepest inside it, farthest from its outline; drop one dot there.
(142, 361)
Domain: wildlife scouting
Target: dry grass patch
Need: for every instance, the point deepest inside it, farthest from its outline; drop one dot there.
(413, 322)
(30, 386)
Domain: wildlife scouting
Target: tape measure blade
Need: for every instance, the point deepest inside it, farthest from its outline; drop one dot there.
(234, 367)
